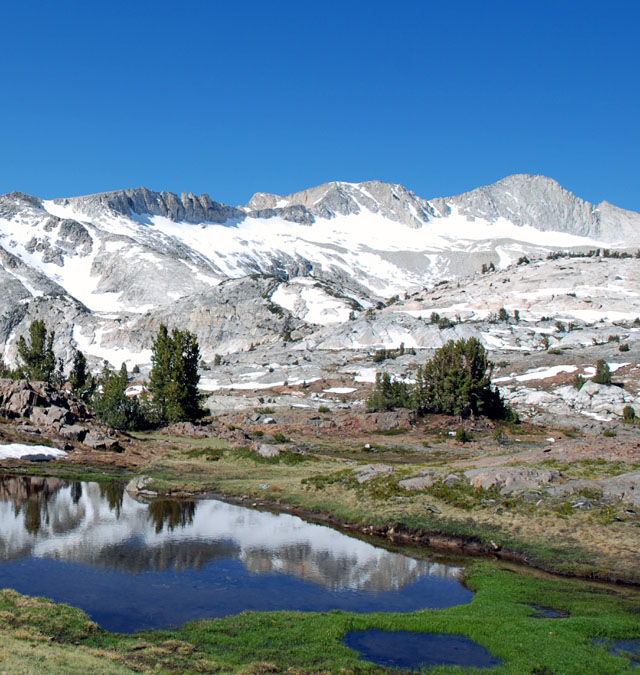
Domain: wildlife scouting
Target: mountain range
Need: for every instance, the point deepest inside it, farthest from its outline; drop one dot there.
(105, 270)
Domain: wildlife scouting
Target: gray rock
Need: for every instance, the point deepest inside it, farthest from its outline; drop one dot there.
(49, 416)
(625, 487)
(96, 440)
(512, 480)
(140, 201)
(73, 432)
(266, 450)
(366, 472)
(542, 203)
(418, 483)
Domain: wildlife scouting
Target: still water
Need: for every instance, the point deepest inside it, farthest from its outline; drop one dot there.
(132, 565)
(408, 650)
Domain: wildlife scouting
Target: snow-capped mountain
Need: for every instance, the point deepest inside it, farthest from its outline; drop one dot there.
(105, 269)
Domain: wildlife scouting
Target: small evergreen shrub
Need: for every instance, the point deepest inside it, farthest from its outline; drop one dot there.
(603, 373)
(462, 435)
(578, 381)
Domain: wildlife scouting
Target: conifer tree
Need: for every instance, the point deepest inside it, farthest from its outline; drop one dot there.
(173, 382)
(457, 381)
(38, 359)
(389, 393)
(82, 381)
(603, 373)
(112, 406)
(78, 376)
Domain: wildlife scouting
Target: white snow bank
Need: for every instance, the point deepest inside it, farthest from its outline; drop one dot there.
(18, 450)
(311, 304)
(339, 390)
(538, 374)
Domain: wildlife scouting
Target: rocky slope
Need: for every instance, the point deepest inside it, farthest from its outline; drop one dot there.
(307, 283)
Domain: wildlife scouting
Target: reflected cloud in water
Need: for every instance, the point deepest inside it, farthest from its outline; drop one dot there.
(205, 544)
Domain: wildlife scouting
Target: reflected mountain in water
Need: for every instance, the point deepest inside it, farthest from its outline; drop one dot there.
(101, 525)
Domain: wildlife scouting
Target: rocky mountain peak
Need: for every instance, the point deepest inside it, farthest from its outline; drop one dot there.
(339, 198)
(542, 203)
(141, 201)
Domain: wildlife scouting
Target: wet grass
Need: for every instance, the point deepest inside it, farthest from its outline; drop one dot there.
(590, 468)
(549, 535)
(500, 618)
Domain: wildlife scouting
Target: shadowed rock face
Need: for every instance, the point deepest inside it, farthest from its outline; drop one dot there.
(186, 208)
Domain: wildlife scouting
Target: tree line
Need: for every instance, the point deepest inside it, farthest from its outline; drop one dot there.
(456, 381)
(171, 393)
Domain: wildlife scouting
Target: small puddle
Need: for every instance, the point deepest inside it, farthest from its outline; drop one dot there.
(629, 649)
(548, 613)
(408, 650)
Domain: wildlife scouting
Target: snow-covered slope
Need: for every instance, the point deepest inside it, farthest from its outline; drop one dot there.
(125, 260)
(134, 250)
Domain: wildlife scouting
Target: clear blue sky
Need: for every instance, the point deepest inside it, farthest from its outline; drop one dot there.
(276, 96)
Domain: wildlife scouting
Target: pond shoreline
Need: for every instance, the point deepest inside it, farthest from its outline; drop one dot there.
(167, 483)
(501, 617)
(399, 535)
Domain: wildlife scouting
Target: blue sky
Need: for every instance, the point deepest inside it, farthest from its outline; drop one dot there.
(233, 98)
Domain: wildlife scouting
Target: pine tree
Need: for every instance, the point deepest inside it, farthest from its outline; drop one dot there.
(112, 406)
(38, 359)
(160, 377)
(603, 373)
(173, 382)
(82, 381)
(457, 381)
(389, 393)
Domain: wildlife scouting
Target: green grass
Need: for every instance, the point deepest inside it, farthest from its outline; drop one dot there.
(499, 618)
(590, 468)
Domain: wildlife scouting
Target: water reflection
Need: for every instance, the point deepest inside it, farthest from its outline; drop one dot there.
(113, 492)
(203, 558)
(172, 513)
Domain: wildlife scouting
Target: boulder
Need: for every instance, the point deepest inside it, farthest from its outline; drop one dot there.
(625, 487)
(96, 440)
(42, 403)
(419, 482)
(185, 429)
(266, 450)
(49, 416)
(73, 432)
(368, 471)
(512, 479)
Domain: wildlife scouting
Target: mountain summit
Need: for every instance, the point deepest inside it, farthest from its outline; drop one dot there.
(135, 255)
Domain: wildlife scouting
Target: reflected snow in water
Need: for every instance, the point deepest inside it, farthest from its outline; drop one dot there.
(132, 565)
